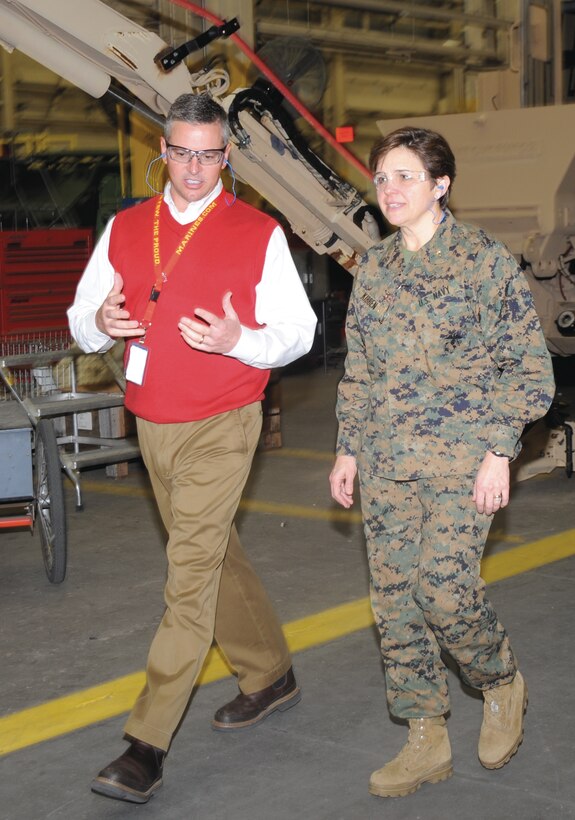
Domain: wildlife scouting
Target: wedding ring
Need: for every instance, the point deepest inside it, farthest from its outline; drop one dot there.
(496, 497)
(202, 341)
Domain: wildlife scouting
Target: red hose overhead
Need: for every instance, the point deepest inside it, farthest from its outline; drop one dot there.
(263, 68)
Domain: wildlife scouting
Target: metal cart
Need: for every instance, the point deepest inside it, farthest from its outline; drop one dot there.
(41, 436)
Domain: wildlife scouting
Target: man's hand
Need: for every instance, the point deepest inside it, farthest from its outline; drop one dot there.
(112, 319)
(491, 488)
(341, 480)
(213, 335)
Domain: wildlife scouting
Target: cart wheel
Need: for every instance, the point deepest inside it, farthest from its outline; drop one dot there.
(51, 512)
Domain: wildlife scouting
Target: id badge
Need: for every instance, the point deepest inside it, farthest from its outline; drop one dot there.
(137, 359)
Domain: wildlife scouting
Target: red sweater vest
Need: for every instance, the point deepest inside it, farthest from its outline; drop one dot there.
(227, 252)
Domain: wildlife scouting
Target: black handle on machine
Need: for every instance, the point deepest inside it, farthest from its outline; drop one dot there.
(169, 57)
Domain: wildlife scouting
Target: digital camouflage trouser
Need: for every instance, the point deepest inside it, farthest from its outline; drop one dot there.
(425, 540)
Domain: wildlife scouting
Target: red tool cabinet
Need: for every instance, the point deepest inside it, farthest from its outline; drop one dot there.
(39, 271)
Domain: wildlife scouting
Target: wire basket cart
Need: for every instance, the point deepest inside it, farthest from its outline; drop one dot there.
(42, 404)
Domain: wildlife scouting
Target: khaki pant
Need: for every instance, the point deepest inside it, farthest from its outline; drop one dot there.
(425, 540)
(198, 471)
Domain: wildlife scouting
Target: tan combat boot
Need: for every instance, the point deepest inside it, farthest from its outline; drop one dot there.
(502, 727)
(425, 758)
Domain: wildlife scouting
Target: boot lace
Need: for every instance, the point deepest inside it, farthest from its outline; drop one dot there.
(496, 712)
(417, 741)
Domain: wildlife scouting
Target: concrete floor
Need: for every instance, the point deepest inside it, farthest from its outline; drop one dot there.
(314, 761)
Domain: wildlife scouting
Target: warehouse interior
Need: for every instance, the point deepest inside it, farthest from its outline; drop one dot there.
(498, 78)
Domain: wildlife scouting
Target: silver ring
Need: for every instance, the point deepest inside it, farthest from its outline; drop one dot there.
(496, 497)
(202, 341)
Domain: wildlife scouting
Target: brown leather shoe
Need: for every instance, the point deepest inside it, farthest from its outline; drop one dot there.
(134, 776)
(247, 710)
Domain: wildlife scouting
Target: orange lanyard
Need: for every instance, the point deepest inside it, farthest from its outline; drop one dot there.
(162, 273)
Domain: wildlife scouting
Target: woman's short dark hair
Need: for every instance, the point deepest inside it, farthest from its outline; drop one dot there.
(197, 109)
(432, 149)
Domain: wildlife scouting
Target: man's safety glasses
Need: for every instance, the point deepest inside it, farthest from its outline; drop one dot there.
(210, 156)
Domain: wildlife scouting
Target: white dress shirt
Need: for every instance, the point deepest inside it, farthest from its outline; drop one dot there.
(281, 305)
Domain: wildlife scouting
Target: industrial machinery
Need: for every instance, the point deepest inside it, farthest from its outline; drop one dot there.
(516, 168)
(512, 178)
(100, 50)
(516, 180)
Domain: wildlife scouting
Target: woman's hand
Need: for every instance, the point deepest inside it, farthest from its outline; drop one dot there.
(341, 480)
(491, 488)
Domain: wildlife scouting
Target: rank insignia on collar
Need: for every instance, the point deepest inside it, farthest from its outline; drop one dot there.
(369, 300)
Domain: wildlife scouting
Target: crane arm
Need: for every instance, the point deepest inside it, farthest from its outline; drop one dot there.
(92, 46)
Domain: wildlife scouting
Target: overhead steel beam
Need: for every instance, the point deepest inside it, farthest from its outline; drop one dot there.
(380, 42)
(431, 12)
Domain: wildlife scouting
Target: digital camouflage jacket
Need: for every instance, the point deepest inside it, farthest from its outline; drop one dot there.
(446, 357)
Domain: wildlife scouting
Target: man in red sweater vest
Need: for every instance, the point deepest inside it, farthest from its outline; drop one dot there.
(202, 288)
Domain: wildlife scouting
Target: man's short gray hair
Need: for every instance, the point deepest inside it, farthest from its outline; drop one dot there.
(197, 109)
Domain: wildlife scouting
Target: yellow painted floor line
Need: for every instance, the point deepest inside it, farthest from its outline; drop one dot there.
(63, 715)
(252, 505)
(274, 508)
(300, 511)
(115, 488)
(295, 452)
(516, 560)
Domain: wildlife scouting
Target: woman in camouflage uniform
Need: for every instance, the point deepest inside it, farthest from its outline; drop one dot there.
(446, 364)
